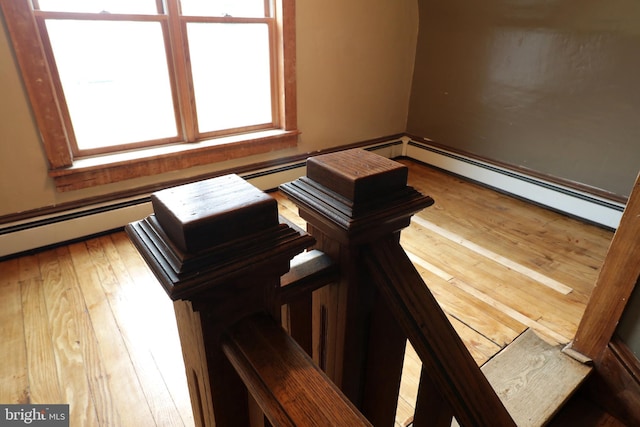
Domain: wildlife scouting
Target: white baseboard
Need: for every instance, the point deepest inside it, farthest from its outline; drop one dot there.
(570, 201)
(49, 230)
(38, 232)
(34, 233)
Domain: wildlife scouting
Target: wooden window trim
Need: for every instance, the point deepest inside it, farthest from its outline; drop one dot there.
(92, 171)
(71, 174)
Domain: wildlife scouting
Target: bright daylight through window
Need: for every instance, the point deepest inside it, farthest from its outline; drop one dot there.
(132, 74)
(116, 73)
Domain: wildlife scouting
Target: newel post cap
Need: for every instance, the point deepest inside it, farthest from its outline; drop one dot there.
(355, 195)
(209, 232)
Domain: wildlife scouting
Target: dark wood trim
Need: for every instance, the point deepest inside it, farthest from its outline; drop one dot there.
(616, 383)
(286, 57)
(627, 358)
(144, 191)
(36, 77)
(526, 171)
(80, 176)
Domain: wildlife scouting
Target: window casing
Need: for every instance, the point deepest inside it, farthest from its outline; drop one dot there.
(197, 133)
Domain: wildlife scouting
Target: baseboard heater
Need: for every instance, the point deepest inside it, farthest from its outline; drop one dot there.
(34, 233)
(572, 202)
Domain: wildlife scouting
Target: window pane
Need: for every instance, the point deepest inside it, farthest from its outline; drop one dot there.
(235, 8)
(115, 80)
(231, 74)
(97, 6)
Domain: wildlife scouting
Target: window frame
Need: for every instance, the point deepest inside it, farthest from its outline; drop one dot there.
(71, 172)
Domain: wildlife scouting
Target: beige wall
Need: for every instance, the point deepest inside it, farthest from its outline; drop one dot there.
(548, 85)
(355, 61)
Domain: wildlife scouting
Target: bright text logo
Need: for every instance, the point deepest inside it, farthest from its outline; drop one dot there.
(34, 415)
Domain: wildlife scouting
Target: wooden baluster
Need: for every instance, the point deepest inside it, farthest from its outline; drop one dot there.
(385, 360)
(350, 199)
(218, 249)
(432, 410)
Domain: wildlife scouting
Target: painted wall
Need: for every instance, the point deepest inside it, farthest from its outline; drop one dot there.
(550, 85)
(355, 61)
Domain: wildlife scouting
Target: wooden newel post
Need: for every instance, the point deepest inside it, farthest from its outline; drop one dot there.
(351, 199)
(218, 249)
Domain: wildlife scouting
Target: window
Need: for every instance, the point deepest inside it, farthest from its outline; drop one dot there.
(124, 88)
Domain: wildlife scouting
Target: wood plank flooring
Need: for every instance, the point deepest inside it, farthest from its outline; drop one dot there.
(88, 324)
(497, 266)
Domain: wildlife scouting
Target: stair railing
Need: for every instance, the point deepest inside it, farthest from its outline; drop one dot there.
(236, 273)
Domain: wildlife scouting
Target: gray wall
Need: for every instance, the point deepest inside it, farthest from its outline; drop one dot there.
(549, 85)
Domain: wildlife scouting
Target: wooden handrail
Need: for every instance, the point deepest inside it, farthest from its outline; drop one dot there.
(448, 363)
(289, 388)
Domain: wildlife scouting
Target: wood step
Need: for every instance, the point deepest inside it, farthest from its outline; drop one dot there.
(534, 379)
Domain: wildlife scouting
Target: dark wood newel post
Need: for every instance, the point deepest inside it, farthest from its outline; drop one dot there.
(351, 199)
(219, 250)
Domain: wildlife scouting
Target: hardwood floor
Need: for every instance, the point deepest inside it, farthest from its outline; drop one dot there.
(498, 265)
(88, 324)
